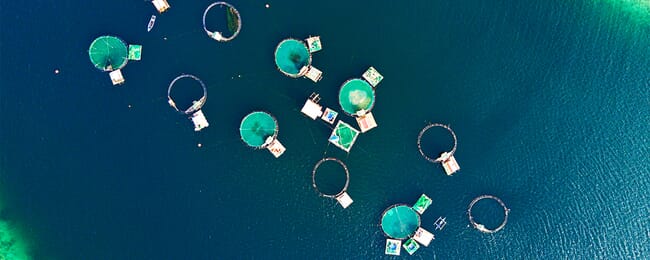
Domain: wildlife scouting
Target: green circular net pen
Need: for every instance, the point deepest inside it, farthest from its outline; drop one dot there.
(356, 95)
(292, 58)
(256, 128)
(108, 53)
(400, 221)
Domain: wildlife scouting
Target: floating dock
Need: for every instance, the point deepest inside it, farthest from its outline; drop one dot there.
(116, 77)
(423, 236)
(372, 76)
(344, 136)
(411, 246)
(161, 5)
(422, 204)
(393, 247)
(314, 74)
(449, 163)
(366, 122)
(311, 108)
(329, 115)
(199, 120)
(197, 117)
(275, 147)
(135, 52)
(314, 44)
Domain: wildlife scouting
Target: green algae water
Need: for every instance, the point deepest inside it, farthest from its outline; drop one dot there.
(549, 100)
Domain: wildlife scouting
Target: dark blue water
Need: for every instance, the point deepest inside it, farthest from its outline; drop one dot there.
(549, 100)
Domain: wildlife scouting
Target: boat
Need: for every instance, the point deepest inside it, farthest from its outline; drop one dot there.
(152, 22)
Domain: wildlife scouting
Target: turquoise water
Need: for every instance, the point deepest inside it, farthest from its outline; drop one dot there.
(291, 55)
(549, 100)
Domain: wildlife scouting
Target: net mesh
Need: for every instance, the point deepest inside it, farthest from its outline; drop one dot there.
(291, 55)
(356, 95)
(256, 127)
(400, 221)
(108, 53)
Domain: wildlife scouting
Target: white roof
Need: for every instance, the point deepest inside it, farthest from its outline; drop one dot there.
(314, 74)
(450, 165)
(311, 109)
(366, 122)
(161, 5)
(199, 120)
(344, 199)
(423, 237)
(276, 148)
(116, 77)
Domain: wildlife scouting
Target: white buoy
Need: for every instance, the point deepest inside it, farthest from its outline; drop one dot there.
(267, 5)
(199, 145)
(56, 71)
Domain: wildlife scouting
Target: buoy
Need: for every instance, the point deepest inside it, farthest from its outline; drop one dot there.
(267, 5)
(199, 145)
(129, 105)
(56, 71)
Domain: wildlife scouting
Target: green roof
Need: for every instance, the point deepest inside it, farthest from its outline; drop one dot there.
(135, 52)
(256, 127)
(356, 95)
(291, 55)
(108, 53)
(400, 221)
(422, 204)
(344, 136)
(411, 246)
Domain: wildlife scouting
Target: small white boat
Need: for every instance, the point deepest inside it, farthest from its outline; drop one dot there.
(152, 22)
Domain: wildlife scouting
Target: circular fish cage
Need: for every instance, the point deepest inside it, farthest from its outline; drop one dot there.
(399, 221)
(441, 158)
(356, 96)
(108, 53)
(196, 105)
(258, 129)
(480, 226)
(292, 57)
(347, 177)
(233, 19)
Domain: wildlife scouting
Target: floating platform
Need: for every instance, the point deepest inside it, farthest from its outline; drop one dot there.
(275, 147)
(372, 76)
(393, 247)
(314, 44)
(344, 136)
(161, 5)
(344, 199)
(423, 236)
(311, 108)
(116, 77)
(411, 246)
(422, 204)
(314, 74)
(329, 115)
(366, 121)
(135, 52)
(449, 163)
(199, 120)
